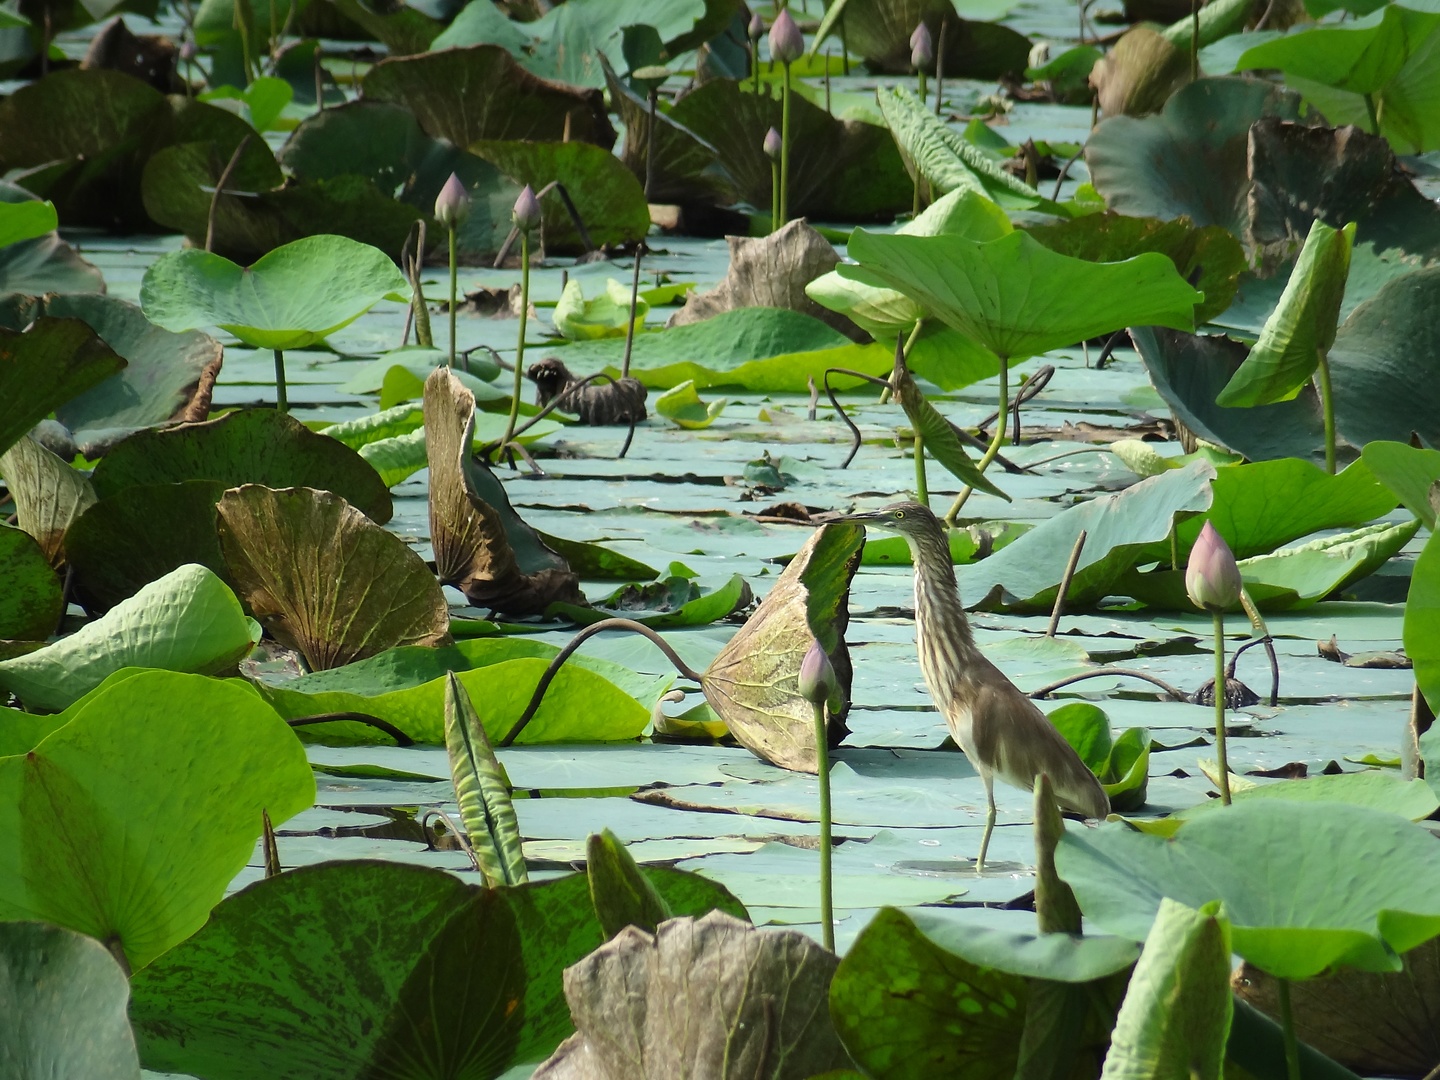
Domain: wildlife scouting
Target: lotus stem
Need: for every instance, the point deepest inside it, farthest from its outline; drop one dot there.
(785, 152)
(282, 402)
(1173, 692)
(1374, 114)
(774, 195)
(634, 303)
(1327, 403)
(520, 345)
(995, 441)
(940, 69)
(822, 766)
(844, 48)
(1221, 762)
(650, 144)
(454, 275)
(924, 93)
(755, 62)
(922, 487)
(1194, 40)
(1287, 1027)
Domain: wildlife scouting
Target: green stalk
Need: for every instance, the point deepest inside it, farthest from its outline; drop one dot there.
(1001, 423)
(1287, 1027)
(822, 764)
(755, 63)
(1194, 40)
(1327, 402)
(921, 75)
(282, 402)
(785, 152)
(520, 346)
(1222, 763)
(453, 276)
(1374, 114)
(774, 195)
(922, 488)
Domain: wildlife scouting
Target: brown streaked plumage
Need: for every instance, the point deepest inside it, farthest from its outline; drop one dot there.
(1001, 730)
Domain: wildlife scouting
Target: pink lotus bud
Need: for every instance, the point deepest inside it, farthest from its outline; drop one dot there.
(756, 29)
(818, 683)
(452, 205)
(1211, 578)
(527, 211)
(772, 145)
(787, 44)
(922, 48)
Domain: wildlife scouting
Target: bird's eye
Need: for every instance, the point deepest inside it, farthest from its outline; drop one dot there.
(899, 514)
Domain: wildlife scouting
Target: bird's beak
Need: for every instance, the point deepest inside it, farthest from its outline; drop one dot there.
(868, 517)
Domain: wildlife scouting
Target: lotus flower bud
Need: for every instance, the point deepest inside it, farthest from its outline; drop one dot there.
(452, 205)
(772, 145)
(787, 44)
(756, 29)
(1211, 578)
(818, 682)
(527, 211)
(922, 48)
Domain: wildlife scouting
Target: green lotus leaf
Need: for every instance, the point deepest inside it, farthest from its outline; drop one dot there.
(186, 621)
(674, 601)
(682, 405)
(30, 592)
(128, 822)
(607, 315)
(879, 31)
(1422, 621)
(295, 296)
(1018, 298)
(325, 579)
(47, 365)
(249, 446)
(49, 494)
(1344, 886)
(1408, 471)
(65, 997)
(26, 220)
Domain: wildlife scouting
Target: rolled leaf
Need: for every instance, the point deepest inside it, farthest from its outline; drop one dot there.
(623, 896)
(483, 791)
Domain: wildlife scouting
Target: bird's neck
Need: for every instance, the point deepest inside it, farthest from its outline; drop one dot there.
(939, 614)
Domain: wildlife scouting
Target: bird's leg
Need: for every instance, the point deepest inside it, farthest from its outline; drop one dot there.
(989, 782)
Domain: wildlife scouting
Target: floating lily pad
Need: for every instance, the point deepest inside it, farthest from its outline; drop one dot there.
(480, 92)
(128, 822)
(65, 996)
(248, 446)
(324, 578)
(186, 621)
(840, 170)
(1345, 886)
(30, 601)
(295, 296)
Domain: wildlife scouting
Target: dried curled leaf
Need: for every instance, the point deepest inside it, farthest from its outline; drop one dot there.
(472, 549)
(325, 579)
(49, 494)
(710, 997)
(753, 683)
(621, 401)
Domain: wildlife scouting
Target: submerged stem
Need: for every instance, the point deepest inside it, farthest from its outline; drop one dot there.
(1287, 1027)
(1222, 763)
(1327, 403)
(822, 766)
(995, 442)
(520, 345)
(282, 400)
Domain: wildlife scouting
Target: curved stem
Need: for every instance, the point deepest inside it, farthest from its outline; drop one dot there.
(1327, 402)
(995, 442)
(830, 393)
(1222, 764)
(520, 346)
(1099, 673)
(453, 276)
(1287, 1027)
(282, 400)
(401, 739)
(785, 152)
(822, 768)
(578, 640)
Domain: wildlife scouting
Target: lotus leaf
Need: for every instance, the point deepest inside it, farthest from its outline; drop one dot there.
(840, 170)
(1408, 471)
(140, 534)
(936, 433)
(675, 601)
(480, 92)
(1122, 764)
(607, 315)
(128, 822)
(1120, 529)
(42, 368)
(398, 945)
(1413, 799)
(1139, 74)
(622, 894)
(1018, 298)
(1342, 885)
(482, 791)
(250, 446)
(30, 600)
(1422, 621)
(49, 494)
(325, 579)
(608, 199)
(64, 996)
(261, 102)
(1190, 160)
(295, 296)
(879, 30)
(166, 376)
(481, 547)
(682, 405)
(26, 219)
(684, 1000)
(1175, 1019)
(752, 683)
(186, 621)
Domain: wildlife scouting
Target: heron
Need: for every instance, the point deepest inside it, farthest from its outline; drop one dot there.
(998, 727)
